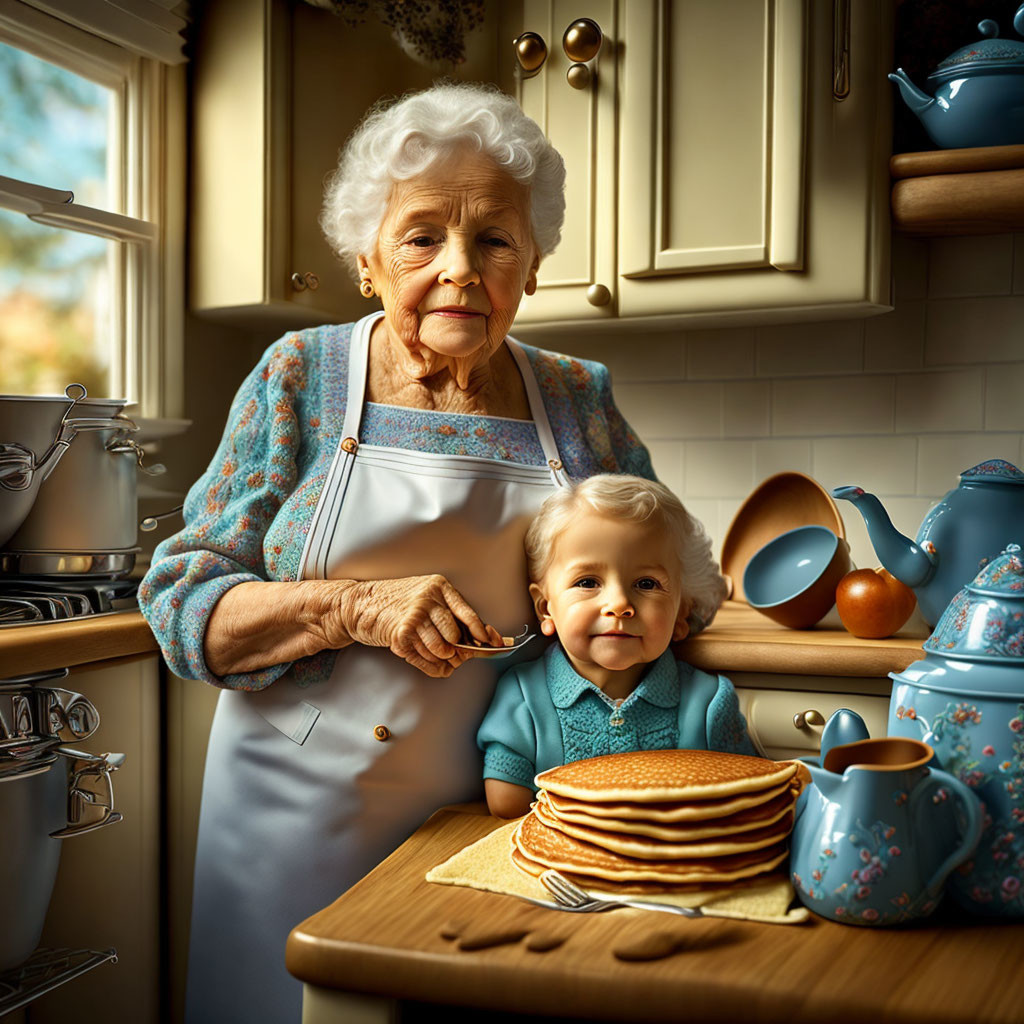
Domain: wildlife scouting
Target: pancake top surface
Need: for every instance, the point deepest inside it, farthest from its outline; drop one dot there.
(661, 775)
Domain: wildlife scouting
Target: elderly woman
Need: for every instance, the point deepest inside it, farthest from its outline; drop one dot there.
(363, 514)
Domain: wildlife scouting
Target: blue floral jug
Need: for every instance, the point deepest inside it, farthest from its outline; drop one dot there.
(878, 832)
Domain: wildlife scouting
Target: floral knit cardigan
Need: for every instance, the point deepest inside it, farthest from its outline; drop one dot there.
(247, 517)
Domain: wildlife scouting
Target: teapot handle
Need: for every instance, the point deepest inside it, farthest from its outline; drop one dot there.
(930, 787)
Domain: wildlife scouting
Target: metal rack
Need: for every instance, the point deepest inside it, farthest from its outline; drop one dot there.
(45, 970)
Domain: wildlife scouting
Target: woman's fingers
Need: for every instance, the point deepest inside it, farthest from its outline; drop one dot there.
(460, 608)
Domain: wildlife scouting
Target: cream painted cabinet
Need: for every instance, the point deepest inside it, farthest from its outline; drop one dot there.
(728, 163)
(277, 89)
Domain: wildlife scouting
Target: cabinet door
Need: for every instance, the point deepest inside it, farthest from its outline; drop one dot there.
(277, 90)
(578, 280)
(753, 181)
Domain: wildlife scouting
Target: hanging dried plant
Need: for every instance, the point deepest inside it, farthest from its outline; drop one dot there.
(430, 31)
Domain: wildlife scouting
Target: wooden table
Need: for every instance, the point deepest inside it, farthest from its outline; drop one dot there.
(380, 944)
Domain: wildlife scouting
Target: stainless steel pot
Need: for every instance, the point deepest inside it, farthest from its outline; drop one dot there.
(68, 482)
(48, 792)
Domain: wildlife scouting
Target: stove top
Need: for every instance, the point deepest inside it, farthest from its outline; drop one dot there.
(25, 600)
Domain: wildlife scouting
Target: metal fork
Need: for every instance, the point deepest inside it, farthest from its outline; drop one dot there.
(573, 897)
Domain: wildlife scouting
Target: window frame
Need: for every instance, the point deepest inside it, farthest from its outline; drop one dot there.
(146, 180)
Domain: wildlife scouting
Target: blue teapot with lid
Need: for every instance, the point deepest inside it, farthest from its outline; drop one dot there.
(967, 527)
(966, 700)
(977, 92)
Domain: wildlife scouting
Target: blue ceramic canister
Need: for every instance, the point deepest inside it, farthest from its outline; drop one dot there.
(966, 700)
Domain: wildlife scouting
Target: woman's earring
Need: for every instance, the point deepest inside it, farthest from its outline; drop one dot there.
(366, 287)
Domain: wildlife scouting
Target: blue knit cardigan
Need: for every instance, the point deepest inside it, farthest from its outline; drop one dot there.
(247, 517)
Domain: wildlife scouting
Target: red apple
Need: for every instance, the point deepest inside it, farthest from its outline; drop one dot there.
(872, 603)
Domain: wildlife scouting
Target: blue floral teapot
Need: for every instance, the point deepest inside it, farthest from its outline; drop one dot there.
(878, 832)
(967, 527)
(966, 700)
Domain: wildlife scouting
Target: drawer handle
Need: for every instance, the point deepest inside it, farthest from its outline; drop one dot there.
(805, 719)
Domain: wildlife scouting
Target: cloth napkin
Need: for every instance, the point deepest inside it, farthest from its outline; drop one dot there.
(486, 864)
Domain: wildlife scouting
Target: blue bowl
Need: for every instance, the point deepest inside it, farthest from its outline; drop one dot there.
(793, 578)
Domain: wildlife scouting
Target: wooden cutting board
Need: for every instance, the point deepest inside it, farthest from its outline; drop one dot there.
(384, 937)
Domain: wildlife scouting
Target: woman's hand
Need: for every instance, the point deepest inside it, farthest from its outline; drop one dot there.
(416, 617)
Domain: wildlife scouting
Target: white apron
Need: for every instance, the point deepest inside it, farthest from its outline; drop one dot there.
(307, 788)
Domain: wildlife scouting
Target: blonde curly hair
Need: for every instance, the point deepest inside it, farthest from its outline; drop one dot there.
(620, 496)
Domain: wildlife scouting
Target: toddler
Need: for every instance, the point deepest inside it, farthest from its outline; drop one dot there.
(618, 569)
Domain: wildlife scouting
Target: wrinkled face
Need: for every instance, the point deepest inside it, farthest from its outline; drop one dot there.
(454, 256)
(612, 593)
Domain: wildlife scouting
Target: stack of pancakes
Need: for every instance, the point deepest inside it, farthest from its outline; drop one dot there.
(659, 820)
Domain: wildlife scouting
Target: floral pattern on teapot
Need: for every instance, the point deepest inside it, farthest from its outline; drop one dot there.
(995, 874)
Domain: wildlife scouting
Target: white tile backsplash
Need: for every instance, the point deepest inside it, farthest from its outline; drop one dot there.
(895, 341)
(971, 265)
(810, 349)
(884, 465)
(1004, 397)
(940, 401)
(716, 469)
(667, 459)
(671, 410)
(942, 458)
(781, 456)
(746, 409)
(726, 354)
(971, 331)
(647, 357)
(899, 404)
(833, 405)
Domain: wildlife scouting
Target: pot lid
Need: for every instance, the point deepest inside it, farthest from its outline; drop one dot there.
(988, 55)
(985, 621)
(993, 471)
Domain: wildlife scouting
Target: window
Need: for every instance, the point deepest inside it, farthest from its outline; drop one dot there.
(91, 207)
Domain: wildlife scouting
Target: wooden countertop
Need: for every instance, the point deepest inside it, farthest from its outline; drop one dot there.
(46, 645)
(741, 639)
(383, 937)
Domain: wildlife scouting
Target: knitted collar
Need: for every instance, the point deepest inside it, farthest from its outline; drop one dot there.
(659, 684)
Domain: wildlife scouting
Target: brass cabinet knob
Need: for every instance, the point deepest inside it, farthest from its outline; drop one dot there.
(578, 76)
(300, 282)
(582, 40)
(805, 719)
(598, 295)
(382, 733)
(531, 52)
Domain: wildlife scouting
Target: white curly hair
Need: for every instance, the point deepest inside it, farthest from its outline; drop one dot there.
(398, 140)
(621, 496)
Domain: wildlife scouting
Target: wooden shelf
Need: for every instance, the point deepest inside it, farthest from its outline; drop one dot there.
(741, 639)
(959, 191)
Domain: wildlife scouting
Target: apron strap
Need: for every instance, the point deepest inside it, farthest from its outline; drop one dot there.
(358, 363)
(539, 413)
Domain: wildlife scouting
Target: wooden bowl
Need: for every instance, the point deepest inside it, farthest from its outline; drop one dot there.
(780, 503)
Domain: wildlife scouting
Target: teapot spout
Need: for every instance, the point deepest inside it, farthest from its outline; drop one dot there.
(900, 555)
(914, 98)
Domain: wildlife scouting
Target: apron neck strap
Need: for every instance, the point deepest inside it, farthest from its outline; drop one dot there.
(358, 364)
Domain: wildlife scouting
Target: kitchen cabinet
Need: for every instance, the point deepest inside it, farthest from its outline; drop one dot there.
(728, 162)
(277, 88)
